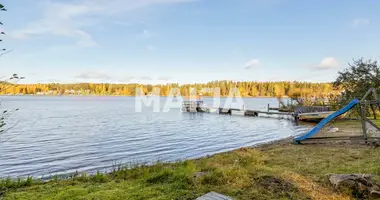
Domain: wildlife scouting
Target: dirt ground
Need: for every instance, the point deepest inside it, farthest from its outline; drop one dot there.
(346, 128)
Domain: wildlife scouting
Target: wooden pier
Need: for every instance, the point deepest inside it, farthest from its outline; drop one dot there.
(199, 107)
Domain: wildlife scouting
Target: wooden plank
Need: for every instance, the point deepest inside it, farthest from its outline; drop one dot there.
(272, 113)
(247, 112)
(331, 138)
(369, 102)
(251, 113)
(373, 124)
(342, 138)
(366, 94)
(224, 111)
(213, 196)
(375, 94)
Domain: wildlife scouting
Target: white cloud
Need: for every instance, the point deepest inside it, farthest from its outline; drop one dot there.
(146, 78)
(360, 22)
(50, 81)
(122, 23)
(60, 19)
(72, 19)
(164, 78)
(252, 64)
(93, 75)
(328, 63)
(127, 79)
(151, 48)
(146, 34)
(85, 39)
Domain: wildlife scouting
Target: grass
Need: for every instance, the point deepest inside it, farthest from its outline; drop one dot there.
(377, 122)
(279, 171)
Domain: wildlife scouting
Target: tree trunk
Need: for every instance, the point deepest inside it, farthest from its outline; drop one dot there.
(373, 111)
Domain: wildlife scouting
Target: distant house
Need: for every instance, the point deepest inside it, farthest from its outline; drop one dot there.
(70, 91)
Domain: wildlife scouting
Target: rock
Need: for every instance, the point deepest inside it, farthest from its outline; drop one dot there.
(375, 194)
(360, 185)
(376, 188)
(200, 174)
(213, 196)
(349, 179)
(333, 130)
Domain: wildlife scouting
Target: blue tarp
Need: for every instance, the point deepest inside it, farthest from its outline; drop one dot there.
(326, 120)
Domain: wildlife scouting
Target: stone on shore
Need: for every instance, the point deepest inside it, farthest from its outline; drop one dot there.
(360, 185)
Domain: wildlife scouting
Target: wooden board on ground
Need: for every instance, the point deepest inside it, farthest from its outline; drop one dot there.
(213, 196)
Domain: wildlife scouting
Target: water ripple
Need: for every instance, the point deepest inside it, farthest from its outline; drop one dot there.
(59, 135)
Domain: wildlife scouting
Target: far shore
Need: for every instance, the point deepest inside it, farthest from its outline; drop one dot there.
(97, 95)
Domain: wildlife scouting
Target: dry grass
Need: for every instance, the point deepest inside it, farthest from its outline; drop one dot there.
(313, 190)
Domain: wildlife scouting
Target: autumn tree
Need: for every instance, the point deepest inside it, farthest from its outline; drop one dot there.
(360, 76)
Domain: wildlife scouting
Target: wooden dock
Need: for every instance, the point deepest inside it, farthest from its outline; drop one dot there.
(199, 107)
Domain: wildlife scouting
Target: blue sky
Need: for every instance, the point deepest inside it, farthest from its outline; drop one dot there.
(186, 41)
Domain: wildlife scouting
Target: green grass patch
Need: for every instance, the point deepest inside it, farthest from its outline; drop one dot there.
(272, 172)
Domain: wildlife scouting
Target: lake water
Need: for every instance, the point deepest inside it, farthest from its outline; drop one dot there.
(59, 135)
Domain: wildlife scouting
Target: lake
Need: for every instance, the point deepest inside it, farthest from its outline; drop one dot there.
(59, 135)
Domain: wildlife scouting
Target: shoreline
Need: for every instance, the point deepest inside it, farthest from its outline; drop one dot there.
(276, 169)
(253, 172)
(244, 173)
(97, 95)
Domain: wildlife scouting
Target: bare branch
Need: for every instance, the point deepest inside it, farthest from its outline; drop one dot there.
(15, 78)
(13, 136)
(6, 52)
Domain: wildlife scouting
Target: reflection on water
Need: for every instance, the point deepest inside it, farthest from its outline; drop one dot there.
(58, 135)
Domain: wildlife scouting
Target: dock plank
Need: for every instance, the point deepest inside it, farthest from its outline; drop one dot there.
(213, 196)
(270, 113)
(229, 111)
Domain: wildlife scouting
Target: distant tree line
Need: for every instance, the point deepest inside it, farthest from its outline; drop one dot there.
(246, 89)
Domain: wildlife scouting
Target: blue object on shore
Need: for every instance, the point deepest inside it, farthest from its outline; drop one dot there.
(326, 120)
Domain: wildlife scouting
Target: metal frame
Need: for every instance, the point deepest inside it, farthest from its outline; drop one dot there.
(363, 103)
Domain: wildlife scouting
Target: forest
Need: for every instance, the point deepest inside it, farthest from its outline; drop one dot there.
(246, 89)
